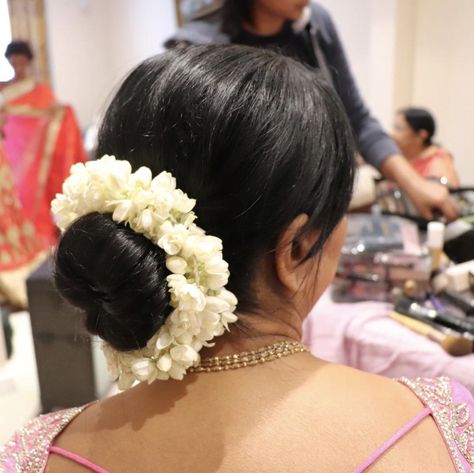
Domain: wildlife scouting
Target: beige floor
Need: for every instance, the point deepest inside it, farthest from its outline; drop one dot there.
(19, 390)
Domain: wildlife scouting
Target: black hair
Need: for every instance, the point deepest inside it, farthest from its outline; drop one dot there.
(22, 48)
(254, 136)
(420, 119)
(234, 13)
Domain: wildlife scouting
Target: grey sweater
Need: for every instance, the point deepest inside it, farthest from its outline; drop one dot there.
(374, 144)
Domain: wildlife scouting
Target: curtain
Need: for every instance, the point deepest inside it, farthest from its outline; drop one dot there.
(28, 23)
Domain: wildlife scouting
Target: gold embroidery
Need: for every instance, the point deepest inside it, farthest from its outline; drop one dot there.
(54, 128)
(18, 88)
(453, 419)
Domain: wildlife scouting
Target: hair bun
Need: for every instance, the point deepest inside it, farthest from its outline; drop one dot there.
(117, 277)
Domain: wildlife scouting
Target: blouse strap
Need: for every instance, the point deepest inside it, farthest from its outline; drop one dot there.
(393, 440)
(77, 459)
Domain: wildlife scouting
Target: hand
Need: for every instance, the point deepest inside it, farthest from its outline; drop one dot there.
(427, 196)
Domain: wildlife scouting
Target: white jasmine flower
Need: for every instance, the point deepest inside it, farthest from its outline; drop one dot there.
(141, 178)
(146, 221)
(217, 272)
(182, 203)
(143, 369)
(229, 297)
(216, 281)
(216, 304)
(173, 239)
(175, 281)
(123, 210)
(228, 318)
(164, 181)
(176, 265)
(186, 338)
(184, 354)
(164, 363)
(190, 298)
(177, 372)
(207, 248)
(163, 341)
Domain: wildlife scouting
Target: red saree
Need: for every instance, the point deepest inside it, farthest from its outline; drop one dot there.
(21, 250)
(42, 141)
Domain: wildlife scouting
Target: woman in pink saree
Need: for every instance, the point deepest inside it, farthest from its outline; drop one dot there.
(42, 140)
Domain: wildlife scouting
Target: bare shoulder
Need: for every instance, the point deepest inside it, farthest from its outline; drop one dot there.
(376, 408)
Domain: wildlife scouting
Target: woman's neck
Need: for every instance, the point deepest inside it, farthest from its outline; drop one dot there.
(264, 23)
(414, 152)
(252, 332)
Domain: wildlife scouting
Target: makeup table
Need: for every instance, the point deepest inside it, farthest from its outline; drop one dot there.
(363, 336)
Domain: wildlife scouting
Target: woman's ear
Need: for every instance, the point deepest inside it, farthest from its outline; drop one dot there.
(291, 249)
(423, 135)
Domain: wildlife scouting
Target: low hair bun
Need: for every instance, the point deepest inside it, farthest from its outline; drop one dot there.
(117, 277)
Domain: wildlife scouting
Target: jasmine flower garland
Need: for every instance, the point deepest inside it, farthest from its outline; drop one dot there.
(203, 308)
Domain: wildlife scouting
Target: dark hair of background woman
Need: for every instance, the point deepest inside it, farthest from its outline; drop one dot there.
(21, 48)
(254, 136)
(234, 13)
(420, 119)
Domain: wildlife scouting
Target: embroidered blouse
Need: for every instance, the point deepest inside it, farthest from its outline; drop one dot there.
(450, 404)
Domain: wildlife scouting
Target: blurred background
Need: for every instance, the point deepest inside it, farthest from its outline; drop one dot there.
(402, 52)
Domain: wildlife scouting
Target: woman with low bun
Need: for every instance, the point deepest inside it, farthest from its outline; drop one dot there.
(196, 246)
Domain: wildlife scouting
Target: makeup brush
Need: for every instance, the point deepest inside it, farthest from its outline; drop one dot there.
(452, 342)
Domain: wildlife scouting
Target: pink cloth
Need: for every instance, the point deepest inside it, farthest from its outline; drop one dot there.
(450, 404)
(362, 335)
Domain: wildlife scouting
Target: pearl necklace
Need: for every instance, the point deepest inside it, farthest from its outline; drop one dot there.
(251, 358)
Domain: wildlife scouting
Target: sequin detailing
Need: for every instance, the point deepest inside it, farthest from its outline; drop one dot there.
(27, 451)
(453, 419)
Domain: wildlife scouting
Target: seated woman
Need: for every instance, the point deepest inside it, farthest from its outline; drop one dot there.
(264, 147)
(42, 140)
(413, 132)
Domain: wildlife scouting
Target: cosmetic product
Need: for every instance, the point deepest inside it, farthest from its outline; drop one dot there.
(470, 278)
(464, 300)
(414, 309)
(452, 342)
(410, 288)
(434, 242)
(436, 303)
(457, 276)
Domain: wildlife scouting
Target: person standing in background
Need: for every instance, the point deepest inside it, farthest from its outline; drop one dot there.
(21, 251)
(304, 30)
(42, 140)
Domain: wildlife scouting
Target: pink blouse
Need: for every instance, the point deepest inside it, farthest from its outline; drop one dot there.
(450, 404)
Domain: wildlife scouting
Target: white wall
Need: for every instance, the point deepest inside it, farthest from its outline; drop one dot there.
(442, 71)
(93, 43)
(368, 31)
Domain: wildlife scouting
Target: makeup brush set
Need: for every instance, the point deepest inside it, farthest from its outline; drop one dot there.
(383, 259)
